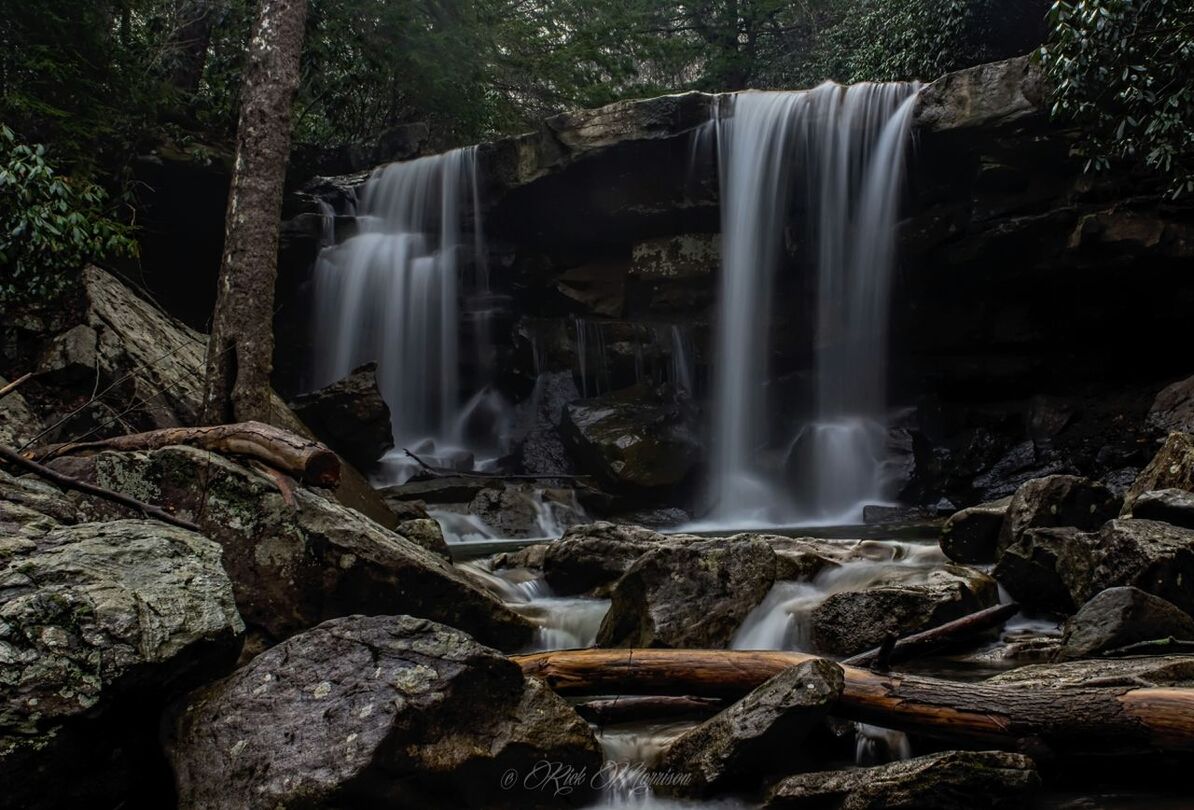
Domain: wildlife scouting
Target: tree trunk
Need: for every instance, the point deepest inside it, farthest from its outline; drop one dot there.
(240, 351)
(191, 39)
(1120, 719)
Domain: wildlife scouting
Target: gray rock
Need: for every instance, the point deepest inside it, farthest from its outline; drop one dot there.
(18, 423)
(1043, 569)
(688, 594)
(952, 780)
(427, 533)
(1155, 557)
(990, 95)
(754, 737)
(71, 356)
(1058, 500)
(633, 439)
(1171, 468)
(971, 536)
(1174, 506)
(1118, 617)
(515, 510)
(851, 622)
(1019, 465)
(370, 712)
(591, 557)
(101, 624)
(1173, 409)
(433, 491)
(293, 566)
(687, 256)
(350, 416)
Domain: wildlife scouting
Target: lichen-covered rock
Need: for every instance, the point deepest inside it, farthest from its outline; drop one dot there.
(18, 423)
(693, 593)
(989, 95)
(952, 780)
(1171, 468)
(427, 533)
(1117, 617)
(295, 565)
(851, 622)
(634, 440)
(375, 711)
(1155, 557)
(1058, 500)
(591, 557)
(971, 536)
(756, 736)
(1173, 409)
(1174, 506)
(350, 416)
(100, 625)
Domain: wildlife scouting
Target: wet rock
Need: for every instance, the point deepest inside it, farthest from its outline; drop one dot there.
(693, 255)
(851, 622)
(972, 535)
(634, 439)
(1120, 481)
(990, 95)
(1173, 409)
(350, 416)
(1174, 506)
(542, 450)
(1058, 500)
(756, 736)
(1155, 557)
(532, 557)
(688, 594)
(436, 491)
(1019, 465)
(591, 557)
(295, 565)
(1171, 468)
(1118, 617)
(100, 625)
(952, 780)
(599, 287)
(18, 423)
(1043, 568)
(525, 511)
(375, 711)
(427, 533)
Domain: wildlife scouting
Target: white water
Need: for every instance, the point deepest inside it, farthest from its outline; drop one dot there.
(390, 294)
(844, 147)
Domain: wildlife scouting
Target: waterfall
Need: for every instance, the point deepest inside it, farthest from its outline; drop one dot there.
(390, 293)
(844, 147)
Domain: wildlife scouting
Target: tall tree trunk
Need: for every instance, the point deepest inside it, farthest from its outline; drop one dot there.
(192, 37)
(240, 351)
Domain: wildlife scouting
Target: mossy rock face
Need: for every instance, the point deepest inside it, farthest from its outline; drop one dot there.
(296, 564)
(101, 624)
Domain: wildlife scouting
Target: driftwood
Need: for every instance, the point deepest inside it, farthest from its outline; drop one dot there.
(66, 482)
(1123, 719)
(15, 384)
(622, 709)
(440, 472)
(936, 637)
(288, 452)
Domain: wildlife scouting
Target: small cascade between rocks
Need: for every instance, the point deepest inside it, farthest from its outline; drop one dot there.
(844, 147)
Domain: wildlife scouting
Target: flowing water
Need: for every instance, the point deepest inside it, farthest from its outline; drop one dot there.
(844, 147)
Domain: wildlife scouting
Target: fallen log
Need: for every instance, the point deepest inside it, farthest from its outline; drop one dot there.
(1072, 720)
(66, 482)
(937, 637)
(653, 707)
(15, 384)
(288, 452)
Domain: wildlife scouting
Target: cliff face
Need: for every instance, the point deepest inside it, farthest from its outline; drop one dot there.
(1021, 280)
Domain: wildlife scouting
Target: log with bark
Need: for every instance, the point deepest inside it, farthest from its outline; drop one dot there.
(287, 452)
(1074, 719)
(937, 637)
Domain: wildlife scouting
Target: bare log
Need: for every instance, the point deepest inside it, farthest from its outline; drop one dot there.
(937, 637)
(440, 472)
(1073, 719)
(15, 384)
(288, 452)
(622, 709)
(66, 482)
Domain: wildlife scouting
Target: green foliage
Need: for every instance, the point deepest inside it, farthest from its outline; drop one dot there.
(1123, 72)
(50, 226)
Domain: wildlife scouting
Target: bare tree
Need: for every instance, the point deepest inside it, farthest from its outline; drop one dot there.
(240, 351)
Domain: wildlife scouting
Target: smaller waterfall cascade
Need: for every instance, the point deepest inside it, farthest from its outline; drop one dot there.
(391, 293)
(843, 147)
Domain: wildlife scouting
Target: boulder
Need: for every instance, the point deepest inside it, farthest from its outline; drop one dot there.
(427, 533)
(522, 511)
(690, 593)
(989, 95)
(635, 439)
(1118, 617)
(1058, 500)
(350, 416)
(1174, 506)
(101, 624)
(1044, 567)
(1022, 463)
(18, 423)
(71, 357)
(951, 780)
(1173, 409)
(755, 737)
(591, 557)
(376, 711)
(971, 536)
(296, 564)
(1155, 557)
(851, 622)
(1171, 468)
